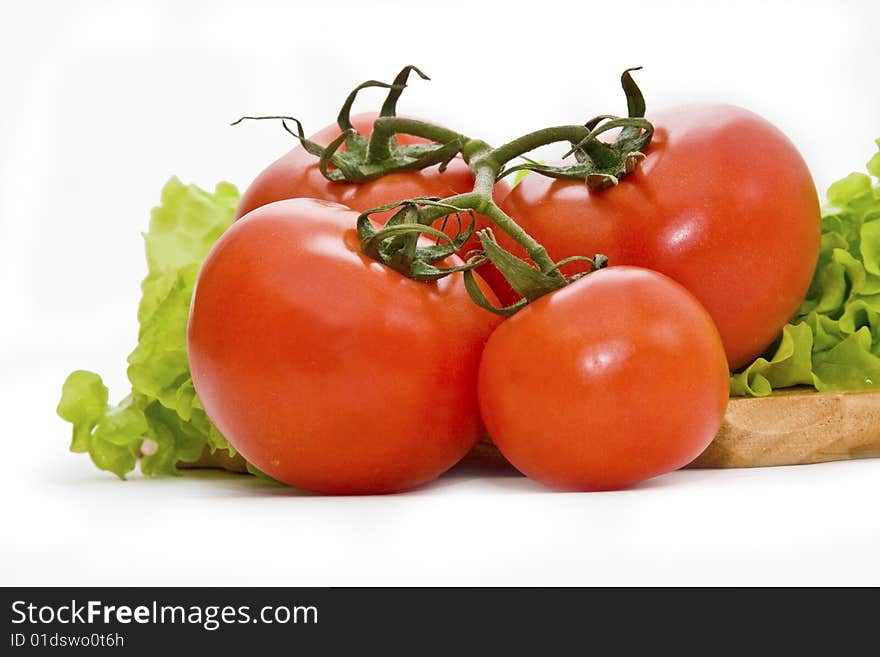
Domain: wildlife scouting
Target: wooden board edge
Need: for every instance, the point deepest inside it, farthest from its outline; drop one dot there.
(793, 427)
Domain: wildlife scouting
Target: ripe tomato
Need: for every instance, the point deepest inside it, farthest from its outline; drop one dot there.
(326, 369)
(723, 204)
(617, 377)
(296, 175)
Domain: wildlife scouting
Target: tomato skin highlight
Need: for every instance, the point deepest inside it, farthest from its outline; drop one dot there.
(296, 175)
(326, 369)
(723, 203)
(616, 378)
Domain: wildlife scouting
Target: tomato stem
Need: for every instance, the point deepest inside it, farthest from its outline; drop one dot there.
(522, 145)
(386, 127)
(598, 163)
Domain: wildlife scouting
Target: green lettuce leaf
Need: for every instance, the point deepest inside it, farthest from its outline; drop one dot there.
(790, 365)
(161, 420)
(833, 342)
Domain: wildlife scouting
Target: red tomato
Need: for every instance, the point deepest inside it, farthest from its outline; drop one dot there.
(618, 377)
(296, 175)
(723, 204)
(326, 369)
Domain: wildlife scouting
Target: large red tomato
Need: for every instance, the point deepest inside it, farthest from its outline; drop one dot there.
(326, 369)
(723, 204)
(615, 378)
(296, 175)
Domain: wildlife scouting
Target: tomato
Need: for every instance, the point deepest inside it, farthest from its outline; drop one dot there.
(296, 175)
(618, 377)
(326, 369)
(723, 203)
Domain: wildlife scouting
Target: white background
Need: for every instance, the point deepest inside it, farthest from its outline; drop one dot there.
(103, 101)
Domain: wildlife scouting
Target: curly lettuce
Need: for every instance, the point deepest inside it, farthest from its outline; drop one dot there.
(161, 421)
(833, 342)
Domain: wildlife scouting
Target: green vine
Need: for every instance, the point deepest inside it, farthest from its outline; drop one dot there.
(400, 245)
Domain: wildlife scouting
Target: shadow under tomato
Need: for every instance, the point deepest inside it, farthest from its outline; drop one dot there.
(231, 484)
(521, 483)
(246, 485)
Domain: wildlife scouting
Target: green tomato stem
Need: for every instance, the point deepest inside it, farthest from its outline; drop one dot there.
(522, 145)
(385, 127)
(537, 253)
(485, 164)
(598, 164)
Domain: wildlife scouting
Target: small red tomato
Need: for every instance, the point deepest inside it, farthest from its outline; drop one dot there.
(723, 203)
(296, 175)
(618, 377)
(326, 369)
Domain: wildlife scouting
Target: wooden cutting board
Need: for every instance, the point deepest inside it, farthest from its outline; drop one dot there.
(794, 427)
(787, 428)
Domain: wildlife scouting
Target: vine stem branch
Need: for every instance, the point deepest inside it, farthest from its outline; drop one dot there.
(522, 145)
(385, 127)
(598, 164)
(485, 164)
